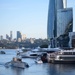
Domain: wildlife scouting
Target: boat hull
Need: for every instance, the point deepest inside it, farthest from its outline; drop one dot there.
(18, 64)
(62, 61)
(23, 56)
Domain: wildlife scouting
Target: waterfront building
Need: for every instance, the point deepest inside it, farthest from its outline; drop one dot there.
(54, 5)
(64, 21)
(60, 23)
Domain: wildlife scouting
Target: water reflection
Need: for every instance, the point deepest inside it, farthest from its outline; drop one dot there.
(17, 71)
(62, 69)
(37, 69)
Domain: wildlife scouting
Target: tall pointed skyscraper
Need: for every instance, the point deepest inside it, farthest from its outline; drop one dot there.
(54, 5)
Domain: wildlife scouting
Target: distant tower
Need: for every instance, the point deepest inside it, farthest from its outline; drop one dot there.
(19, 36)
(11, 35)
(1, 37)
(54, 5)
(7, 36)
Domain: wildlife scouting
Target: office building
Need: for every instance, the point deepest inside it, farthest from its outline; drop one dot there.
(23, 37)
(7, 37)
(72, 39)
(10, 35)
(54, 5)
(64, 21)
(19, 36)
(60, 23)
(1, 37)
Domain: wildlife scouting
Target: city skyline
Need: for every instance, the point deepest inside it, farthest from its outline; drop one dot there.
(28, 17)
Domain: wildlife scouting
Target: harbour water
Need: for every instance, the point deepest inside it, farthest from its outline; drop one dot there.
(34, 69)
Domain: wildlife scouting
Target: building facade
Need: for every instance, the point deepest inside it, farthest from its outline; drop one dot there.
(23, 37)
(54, 5)
(11, 35)
(64, 21)
(1, 37)
(72, 39)
(19, 36)
(60, 23)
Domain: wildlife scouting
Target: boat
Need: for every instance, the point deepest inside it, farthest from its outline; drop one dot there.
(17, 62)
(30, 54)
(42, 58)
(38, 60)
(2, 52)
(25, 49)
(49, 50)
(63, 57)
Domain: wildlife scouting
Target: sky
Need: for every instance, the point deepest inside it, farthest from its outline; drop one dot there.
(27, 16)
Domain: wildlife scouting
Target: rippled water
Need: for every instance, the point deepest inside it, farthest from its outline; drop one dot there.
(34, 69)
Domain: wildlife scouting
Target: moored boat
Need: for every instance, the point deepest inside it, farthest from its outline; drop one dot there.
(63, 57)
(42, 58)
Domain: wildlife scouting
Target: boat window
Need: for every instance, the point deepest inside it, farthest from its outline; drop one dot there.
(69, 53)
(68, 58)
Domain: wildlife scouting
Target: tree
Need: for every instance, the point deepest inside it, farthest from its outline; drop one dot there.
(44, 46)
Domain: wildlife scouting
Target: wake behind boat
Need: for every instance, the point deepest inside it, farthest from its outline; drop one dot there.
(17, 62)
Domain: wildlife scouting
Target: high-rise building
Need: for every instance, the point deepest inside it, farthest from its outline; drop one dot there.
(60, 23)
(23, 37)
(64, 21)
(11, 35)
(19, 36)
(54, 5)
(7, 36)
(1, 37)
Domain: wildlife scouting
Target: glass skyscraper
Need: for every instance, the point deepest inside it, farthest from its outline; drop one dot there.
(19, 36)
(64, 21)
(54, 5)
(11, 35)
(60, 23)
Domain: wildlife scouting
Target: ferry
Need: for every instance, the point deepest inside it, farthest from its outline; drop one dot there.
(63, 57)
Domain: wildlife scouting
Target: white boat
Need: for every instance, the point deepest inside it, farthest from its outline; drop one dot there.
(42, 58)
(39, 61)
(64, 56)
(17, 62)
(30, 54)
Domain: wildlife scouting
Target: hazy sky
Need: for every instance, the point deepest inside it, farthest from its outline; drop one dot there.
(27, 16)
